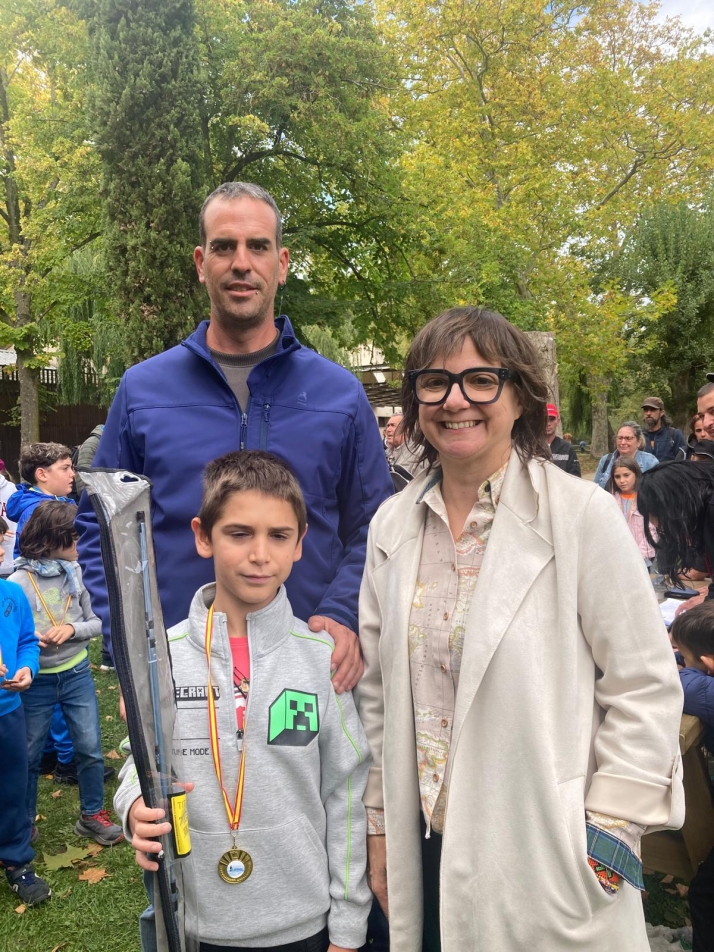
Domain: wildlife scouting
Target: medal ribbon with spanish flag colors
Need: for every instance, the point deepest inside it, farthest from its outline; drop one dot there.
(235, 865)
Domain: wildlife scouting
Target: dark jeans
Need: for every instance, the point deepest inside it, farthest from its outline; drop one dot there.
(15, 825)
(74, 691)
(316, 943)
(431, 866)
(701, 906)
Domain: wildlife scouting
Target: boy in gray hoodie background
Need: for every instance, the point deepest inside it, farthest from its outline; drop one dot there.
(48, 573)
(276, 761)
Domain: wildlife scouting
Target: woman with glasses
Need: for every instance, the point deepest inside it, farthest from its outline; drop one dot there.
(628, 442)
(520, 695)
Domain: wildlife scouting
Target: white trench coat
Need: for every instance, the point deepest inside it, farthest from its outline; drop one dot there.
(568, 698)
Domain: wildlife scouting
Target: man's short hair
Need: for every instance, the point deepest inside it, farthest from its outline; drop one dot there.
(40, 456)
(50, 527)
(694, 629)
(246, 471)
(703, 391)
(229, 191)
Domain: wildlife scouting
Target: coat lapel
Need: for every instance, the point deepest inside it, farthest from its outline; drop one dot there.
(518, 549)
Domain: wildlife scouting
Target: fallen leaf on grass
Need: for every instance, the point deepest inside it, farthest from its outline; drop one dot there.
(20, 909)
(58, 947)
(97, 691)
(94, 848)
(112, 755)
(112, 687)
(667, 879)
(73, 854)
(93, 875)
(682, 890)
(56, 794)
(109, 717)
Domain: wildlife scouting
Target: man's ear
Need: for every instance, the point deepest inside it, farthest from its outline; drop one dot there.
(203, 541)
(198, 257)
(708, 662)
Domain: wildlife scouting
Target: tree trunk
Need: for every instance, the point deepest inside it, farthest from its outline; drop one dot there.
(544, 343)
(598, 387)
(29, 377)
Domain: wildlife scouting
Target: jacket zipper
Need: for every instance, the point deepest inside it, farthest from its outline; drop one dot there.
(264, 424)
(244, 426)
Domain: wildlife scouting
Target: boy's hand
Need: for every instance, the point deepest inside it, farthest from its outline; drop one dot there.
(338, 948)
(347, 657)
(144, 828)
(57, 635)
(20, 682)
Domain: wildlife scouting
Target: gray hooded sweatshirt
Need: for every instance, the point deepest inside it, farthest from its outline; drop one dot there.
(55, 592)
(306, 763)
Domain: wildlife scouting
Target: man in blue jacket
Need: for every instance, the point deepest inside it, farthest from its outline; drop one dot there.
(661, 439)
(242, 380)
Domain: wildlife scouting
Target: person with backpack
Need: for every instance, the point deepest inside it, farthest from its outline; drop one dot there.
(661, 439)
(629, 441)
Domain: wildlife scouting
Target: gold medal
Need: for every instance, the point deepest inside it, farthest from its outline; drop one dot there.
(235, 866)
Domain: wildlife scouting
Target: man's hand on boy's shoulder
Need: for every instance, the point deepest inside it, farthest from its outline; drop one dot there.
(347, 657)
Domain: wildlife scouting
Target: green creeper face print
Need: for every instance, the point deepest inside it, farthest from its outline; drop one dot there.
(294, 719)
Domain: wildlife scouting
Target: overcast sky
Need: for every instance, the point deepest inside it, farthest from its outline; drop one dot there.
(698, 14)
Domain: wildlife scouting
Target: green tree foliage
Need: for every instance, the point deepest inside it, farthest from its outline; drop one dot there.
(48, 182)
(149, 137)
(673, 245)
(538, 129)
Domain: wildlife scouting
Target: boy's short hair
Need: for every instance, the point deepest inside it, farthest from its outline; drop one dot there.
(3, 526)
(50, 527)
(246, 471)
(40, 456)
(694, 629)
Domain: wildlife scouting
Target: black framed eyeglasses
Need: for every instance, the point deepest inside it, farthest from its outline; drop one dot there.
(477, 384)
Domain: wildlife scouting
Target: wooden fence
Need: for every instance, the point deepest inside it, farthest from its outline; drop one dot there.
(70, 425)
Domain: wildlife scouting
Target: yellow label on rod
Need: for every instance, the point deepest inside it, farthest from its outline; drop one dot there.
(179, 823)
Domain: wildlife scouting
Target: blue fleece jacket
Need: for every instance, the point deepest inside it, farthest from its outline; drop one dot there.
(18, 642)
(698, 690)
(175, 412)
(23, 503)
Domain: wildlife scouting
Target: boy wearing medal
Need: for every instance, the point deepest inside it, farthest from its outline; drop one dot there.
(276, 761)
(51, 578)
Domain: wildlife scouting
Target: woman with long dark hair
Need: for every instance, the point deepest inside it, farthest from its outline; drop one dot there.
(678, 498)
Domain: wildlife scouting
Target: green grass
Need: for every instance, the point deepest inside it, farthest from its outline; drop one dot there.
(80, 916)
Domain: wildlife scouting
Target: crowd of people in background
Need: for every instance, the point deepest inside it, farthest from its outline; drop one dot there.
(303, 553)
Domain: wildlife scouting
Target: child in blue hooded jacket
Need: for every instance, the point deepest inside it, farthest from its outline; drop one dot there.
(19, 662)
